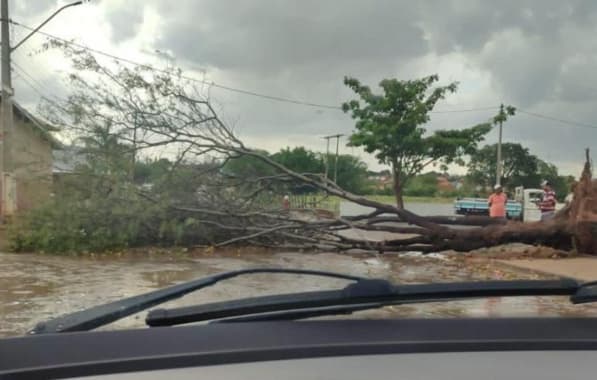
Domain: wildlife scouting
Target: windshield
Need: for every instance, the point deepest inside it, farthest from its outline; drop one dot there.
(146, 145)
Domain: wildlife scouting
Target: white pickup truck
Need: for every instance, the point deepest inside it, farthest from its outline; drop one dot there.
(529, 198)
(522, 207)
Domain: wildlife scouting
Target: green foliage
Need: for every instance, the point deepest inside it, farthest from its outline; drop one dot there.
(520, 167)
(300, 160)
(76, 225)
(150, 171)
(424, 185)
(384, 191)
(352, 174)
(249, 166)
(560, 184)
(104, 222)
(390, 125)
(503, 115)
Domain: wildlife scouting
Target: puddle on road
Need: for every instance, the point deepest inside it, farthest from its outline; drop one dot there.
(37, 287)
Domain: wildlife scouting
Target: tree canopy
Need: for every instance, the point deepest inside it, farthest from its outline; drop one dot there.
(300, 160)
(520, 168)
(249, 166)
(352, 172)
(390, 125)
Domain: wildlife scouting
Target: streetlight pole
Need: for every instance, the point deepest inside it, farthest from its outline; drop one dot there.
(498, 166)
(7, 187)
(327, 155)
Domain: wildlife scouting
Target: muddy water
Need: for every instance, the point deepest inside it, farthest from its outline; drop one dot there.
(350, 209)
(38, 287)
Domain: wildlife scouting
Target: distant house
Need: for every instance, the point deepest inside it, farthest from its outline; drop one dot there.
(381, 180)
(32, 145)
(67, 159)
(444, 184)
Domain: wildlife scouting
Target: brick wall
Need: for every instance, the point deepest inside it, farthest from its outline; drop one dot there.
(32, 157)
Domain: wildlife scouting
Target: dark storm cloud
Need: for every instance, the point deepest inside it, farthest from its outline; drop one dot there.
(125, 19)
(270, 36)
(538, 55)
(524, 44)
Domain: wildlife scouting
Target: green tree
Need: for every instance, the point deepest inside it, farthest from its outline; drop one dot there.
(520, 167)
(150, 170)
(300, 160)
(248, 167)
(423, 185)
(352, 174)
(391, 126)
(560, 184)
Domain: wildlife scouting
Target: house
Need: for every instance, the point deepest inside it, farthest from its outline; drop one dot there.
(66, 159)
(381, 180)
(444, 184)
(31, 151)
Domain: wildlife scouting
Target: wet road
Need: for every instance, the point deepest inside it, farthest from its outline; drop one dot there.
(420, 208)
(36, 287)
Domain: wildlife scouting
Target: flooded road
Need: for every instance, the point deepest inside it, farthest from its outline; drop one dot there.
(420, 208)
(37, 287)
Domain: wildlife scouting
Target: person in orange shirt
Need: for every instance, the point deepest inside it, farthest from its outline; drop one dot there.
(497, 203)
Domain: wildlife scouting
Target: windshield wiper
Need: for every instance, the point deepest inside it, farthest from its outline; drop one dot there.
(104, 314)
(365, 294)
(360, 295)
(292, 315)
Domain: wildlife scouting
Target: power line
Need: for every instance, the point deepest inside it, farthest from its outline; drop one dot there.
(563, 121)
(38, 88)
(210, 83)
(21, 76)
(220, 86)
(22, 72)
(488, 108)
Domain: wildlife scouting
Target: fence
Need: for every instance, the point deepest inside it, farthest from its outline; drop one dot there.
(303, 202)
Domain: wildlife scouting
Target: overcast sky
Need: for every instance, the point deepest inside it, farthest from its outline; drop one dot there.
(539, 56)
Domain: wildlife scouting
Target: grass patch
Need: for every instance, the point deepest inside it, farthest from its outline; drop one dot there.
(389, 199)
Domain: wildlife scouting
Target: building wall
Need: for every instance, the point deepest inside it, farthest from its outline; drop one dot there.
(32, 157)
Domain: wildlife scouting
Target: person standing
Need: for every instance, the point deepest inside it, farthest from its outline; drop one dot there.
(497, 203)
(570, 196)
(548, 202)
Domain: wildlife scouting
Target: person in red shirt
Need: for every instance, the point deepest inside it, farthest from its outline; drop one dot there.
(286, 202)
(497, 203)
(548, 202)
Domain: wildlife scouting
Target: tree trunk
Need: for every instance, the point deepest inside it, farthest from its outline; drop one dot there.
(397, 188)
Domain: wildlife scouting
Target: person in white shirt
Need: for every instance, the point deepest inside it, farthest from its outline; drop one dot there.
(570, 195)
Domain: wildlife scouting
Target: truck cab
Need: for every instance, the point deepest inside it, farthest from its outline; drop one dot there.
(529, 199)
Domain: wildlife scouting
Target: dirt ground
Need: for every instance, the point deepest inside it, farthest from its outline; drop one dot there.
(539, 259)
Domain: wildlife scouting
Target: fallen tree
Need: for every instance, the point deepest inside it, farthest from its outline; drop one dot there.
(125, 113)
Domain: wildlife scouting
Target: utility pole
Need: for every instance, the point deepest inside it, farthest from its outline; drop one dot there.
(336, 160)
(327, 155)
(8, 196)
(498, 166)
(7, 204)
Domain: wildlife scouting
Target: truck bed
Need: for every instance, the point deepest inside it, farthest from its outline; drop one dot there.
(479, 206)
